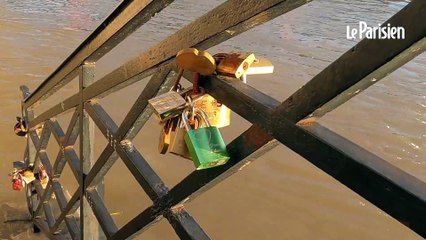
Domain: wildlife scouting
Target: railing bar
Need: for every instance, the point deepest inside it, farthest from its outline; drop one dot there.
(330, 159)
(68, 140)
(42, 225)
(159, 83)
(55, 111)
(101, 118)
(398, 193)
(185, 225)
(39, 143)
(49, 215)
(251, 144)
(69, 208)
(73, 227)
(105, 161)
(124, 20)
(46, 163)
(73, 162)
(144, 220)
(57, 131)
(356, 63)
(101, 212)
(142, 171)
(44, 198)
(59, 165)
(59, 194)
(73, 129)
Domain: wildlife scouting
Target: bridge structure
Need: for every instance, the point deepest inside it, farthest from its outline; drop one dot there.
(292, 122)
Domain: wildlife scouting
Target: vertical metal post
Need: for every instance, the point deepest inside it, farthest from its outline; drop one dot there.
(88, 223)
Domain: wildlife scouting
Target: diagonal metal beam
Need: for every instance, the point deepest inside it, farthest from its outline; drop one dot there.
(185, 225)
(142, 171)
(357, 63)
(74, 163)
(131, 124)
(136, 118)
(57, 131)
(101, 213)
(101, 167)
(124, 20)
(137, 165)
(67, 208)
(45, 198)
(401, 200)
(253, 143)
(42, 225)
(68, 142)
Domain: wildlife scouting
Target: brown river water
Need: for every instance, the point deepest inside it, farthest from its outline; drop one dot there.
(280, 195)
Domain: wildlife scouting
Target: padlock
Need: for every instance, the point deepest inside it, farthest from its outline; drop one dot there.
(218, 114)
(196, 61)
(205, 145)
(178, 145)
(260, 66)
(17, 183)
(27, 176)
(168, 105)
(233, 64)
(20, 127)
(165, 135)
(42, 176)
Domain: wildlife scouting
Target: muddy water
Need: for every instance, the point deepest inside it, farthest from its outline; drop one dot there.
(279, 196)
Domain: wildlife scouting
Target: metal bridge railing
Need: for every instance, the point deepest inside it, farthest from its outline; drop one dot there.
(292, 122)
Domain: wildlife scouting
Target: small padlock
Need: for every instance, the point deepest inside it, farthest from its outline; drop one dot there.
(17, 183)
(42, 176)
(178, 145)
(165, 135)
(205, 145)
(168, 105)
(218, 114)
(27, 176)
(233, 64)
(20, 127)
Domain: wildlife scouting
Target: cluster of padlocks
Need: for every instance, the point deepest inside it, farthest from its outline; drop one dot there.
(22, 176)
(190, 118)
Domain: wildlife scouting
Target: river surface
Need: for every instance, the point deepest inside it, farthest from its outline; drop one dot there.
(279, 196)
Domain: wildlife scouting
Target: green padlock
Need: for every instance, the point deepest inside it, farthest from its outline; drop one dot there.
(205, 145)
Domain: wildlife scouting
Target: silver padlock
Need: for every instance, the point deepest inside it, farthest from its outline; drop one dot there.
(168, 105)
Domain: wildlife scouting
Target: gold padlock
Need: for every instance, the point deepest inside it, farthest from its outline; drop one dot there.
(218, 114)
(233, 64)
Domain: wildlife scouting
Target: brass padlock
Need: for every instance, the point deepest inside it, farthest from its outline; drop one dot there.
(233, 64)
(42, 176)
(165, 135)
(20, 127)
(218, 114)
(168, 105)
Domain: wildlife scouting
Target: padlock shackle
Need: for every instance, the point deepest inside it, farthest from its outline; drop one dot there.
(198, 112)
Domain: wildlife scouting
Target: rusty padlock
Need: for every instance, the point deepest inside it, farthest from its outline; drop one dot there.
(20, 127)
(42, 176)
(167, 105)
(233, 64)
